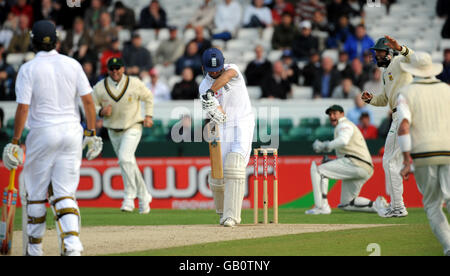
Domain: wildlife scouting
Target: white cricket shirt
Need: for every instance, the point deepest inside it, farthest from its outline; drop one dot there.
(50, 84)
(233, 98)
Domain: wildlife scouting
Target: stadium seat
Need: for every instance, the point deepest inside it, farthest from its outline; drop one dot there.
(301, 92)
(285, 124)
(324, 133)
(248, 34)
(311, 122)
(300, 134)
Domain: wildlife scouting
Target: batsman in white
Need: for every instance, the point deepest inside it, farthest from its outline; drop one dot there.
(394, 78)
(118, 100)
(424, 135)
(227, 94)
(353, 166)
(47, 90)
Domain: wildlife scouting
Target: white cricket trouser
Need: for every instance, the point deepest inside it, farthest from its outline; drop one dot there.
(352, 176)
(434, 183)
(53, 155)
(237, 139)
(392, 164)
(125, 144)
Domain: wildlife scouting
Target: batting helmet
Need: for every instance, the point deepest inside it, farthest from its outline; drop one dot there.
(212, 60)
(43, 31)
(380, 45)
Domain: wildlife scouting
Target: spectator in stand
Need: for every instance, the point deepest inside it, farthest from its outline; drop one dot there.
(93, 14)
(204, 16)
(258, 69)
(304, 43)
(375, 84)
(67, 14)
(340, 32)
(443, 11)
(360, 107)
(343, 65)
(89, 70)
(445, 75)
(357, 44)
(159, 88)
(112, 51)
(368, 130)
(279, 8)
(256, 15)
(3, 135)
(290, 66)
(7, 76)
(355, 7)
(306, 8)
(369, 62)
(45, 9)
(359, 77)
(187, 88)
(346, 90)
(319, 22)
(227, 20)
(104, 33)
(335, 9)
(202, 42)
(277, 85)
(284, 33)
(169, 50)
(5, 8)
(191, 58)
(153, 16)
(312, 69)
(327, 79)
(137, 58)
(123, 17)
(8, 29)
(77, 40)
(20, 41)
(21, 7)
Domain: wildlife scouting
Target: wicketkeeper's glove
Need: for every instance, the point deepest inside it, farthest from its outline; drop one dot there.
(94, 144)
(12, 156)
(319, 146)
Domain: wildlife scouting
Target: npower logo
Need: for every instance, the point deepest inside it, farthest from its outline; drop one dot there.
(196, 183)
(73, 3)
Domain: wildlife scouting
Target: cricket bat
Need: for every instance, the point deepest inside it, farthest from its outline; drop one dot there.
(215, 152)
(8, 212)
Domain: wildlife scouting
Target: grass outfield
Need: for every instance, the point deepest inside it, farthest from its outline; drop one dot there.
(409, 236)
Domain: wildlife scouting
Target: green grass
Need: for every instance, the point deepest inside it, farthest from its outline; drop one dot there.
(409, 236)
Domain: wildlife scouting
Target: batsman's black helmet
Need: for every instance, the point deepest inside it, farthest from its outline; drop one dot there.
(43, 32)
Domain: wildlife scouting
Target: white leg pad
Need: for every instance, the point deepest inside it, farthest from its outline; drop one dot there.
(359, 204)
(68, 223)
(218, 188)
(320, 186)
(35, 230)
(234, 179)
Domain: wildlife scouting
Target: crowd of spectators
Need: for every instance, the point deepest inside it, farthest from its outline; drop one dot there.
(302, 31)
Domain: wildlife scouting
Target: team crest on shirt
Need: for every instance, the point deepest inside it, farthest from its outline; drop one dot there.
(391, 78)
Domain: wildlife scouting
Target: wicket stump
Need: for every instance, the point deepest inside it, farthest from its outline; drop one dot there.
(265, 152)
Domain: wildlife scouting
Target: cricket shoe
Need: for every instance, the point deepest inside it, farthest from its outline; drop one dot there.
(229, 222)
(73, 253)
(324, 210)
(393, 212)
(127, 205)
(144, 205)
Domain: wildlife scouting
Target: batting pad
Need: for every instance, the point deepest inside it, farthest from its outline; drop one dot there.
(234, 179)
(218, 188)
(320, 186)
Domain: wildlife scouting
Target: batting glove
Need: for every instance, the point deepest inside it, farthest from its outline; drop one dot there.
(94, 144)
(12, 156)
(209, 102)
(217, 116)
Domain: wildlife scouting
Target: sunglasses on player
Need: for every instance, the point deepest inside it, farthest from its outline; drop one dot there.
(114, 67)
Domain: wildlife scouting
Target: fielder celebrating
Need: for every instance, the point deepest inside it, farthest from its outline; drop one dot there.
(226, 83)
(47, 91)
(394, 78)
(118, 100)
(424, 135)
(353, 165)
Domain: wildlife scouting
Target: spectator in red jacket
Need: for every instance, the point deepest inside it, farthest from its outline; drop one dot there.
(368, 130)
(280, 7)
(21, 7)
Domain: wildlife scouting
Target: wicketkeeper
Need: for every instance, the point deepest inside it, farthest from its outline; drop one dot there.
(394, 78)
(424, 136)
(353, 166)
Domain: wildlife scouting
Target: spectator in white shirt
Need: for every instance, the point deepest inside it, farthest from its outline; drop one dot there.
(257, 15)
(161, 91)
(227, 20)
